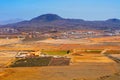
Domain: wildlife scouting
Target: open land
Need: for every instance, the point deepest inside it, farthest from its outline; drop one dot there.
(87, 60)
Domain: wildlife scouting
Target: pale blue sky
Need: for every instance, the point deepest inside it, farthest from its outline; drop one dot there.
(80, 9)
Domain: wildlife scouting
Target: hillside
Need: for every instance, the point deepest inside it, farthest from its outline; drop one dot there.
(50, 21)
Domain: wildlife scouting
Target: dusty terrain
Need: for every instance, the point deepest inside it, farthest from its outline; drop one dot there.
(89, 67)
(83, 67)
(9, 41)
(66, 41)
(106, 39)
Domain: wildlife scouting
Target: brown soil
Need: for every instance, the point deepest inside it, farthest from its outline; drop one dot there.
(85, 67)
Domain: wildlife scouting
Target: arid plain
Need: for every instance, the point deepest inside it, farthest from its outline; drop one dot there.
(87, 60)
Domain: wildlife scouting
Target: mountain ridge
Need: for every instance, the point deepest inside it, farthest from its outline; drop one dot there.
(48, 21)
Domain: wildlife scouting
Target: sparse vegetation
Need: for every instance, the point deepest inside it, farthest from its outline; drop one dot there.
(31, 62)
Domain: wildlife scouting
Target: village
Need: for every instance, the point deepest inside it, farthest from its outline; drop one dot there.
(71, 34)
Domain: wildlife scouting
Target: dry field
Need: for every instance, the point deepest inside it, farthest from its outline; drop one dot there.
(97, 58)
(87, 71)
(83, 41)
(106, 39)
(9, 41)
(60, 45)
(86, 67)
(66, 41)
(83, 67)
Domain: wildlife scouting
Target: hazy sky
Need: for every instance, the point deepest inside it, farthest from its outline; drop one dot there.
(80, 9)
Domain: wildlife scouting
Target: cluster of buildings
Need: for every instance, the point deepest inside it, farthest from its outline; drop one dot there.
(112, 32)
(76, 34)
(8, 31)
(72, 34)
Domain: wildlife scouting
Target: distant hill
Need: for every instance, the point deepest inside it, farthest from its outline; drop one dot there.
(10, 21)
(49, 21)
(46, 18)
